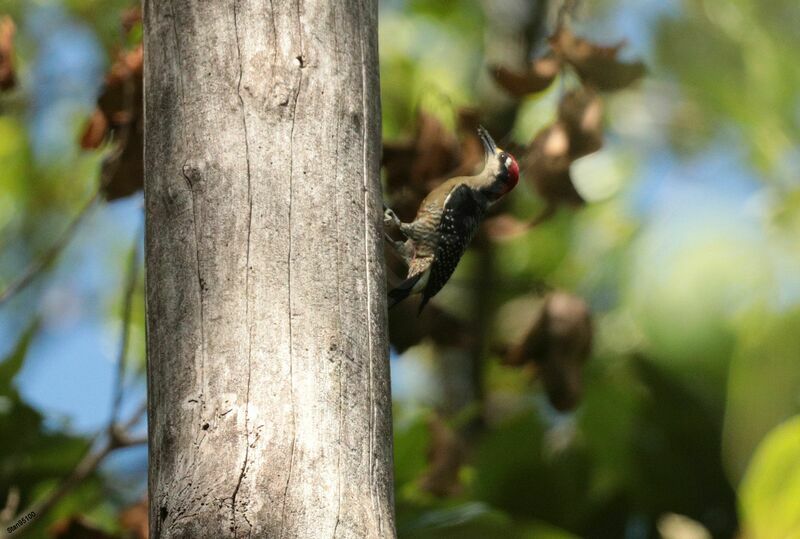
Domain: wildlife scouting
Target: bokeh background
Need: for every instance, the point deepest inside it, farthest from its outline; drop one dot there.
(670, 412)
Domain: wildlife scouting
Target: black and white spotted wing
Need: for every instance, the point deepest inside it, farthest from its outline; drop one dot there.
(461, 216)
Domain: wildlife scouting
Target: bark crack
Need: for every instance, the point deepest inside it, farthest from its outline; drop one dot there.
(365, 187)
(289, 275)
(243, 471)
(200, 286)
(177, 49)
(190, 182)
(340, 349)
(274, 33)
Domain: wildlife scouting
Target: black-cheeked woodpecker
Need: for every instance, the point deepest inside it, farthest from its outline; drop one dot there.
(446, 222)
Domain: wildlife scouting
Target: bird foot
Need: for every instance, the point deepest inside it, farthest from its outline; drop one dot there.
(390, 219)
(403, 249)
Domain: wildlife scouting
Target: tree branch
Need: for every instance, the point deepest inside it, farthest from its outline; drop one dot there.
(108, 169)
(12, 504)
(118, 437)
(39, 265)
(566, 12)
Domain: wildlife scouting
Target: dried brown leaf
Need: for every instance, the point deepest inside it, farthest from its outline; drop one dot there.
(407, 328)
(539, 76)
(577, 132)
(436, 150)
(128, 172)
(414, 167)
(120, 107)
(471, 155)
(125, 71)
(130, 18)
(597, 65)
(404, 193)
(581, 112)
(559, 343)
(8, 77)
(446, 455)
(95, 131)
(546, 165)
(135, 520)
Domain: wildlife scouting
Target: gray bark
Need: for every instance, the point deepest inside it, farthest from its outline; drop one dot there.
(269, 401)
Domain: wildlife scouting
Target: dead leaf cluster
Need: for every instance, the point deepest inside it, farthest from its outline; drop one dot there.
(446, 455)
(577, 130)
(119, 115)
(598, 66)
(557, 345)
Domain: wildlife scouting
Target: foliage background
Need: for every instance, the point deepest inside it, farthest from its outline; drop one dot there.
(687, 253)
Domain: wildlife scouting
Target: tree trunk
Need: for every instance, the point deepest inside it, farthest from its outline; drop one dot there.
(268, 379)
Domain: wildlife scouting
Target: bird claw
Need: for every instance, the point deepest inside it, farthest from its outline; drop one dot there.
(403, 250)
(390, 218)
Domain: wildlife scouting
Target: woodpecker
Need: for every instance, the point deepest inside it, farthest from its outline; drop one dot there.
(446, 222)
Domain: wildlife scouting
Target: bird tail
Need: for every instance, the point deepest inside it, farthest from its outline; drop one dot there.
(422, 304)
(403, 290)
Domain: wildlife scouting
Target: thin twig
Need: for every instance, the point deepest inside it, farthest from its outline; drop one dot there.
(117, 438)
(565, 13)
(127, 310)
(108, 169)
(135, 417)
(39, 265)
(115, 435)
(12, 504)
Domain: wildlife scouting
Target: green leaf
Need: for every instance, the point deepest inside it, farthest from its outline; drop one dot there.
(517, 472)
(11, 365)
(475, 520)
(411, 441)
(458, 516)
(763, 383)
(770, 490)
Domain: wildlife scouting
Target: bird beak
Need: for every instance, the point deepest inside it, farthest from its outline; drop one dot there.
(486, 139)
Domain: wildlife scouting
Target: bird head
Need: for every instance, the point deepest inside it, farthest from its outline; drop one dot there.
(501, 170)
